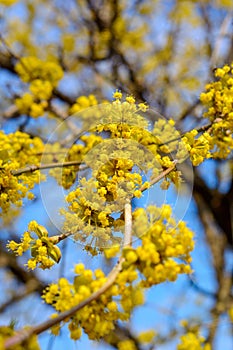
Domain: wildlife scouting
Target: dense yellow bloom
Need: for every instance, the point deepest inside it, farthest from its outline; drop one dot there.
(192, 341)
(126, 345)
(17, 150)
(44, 253)
(152, 262)
(32, 68)
(199, 148)
(43, 78)
(41, 89)
(83, 102)
(218, 99)
(111, 252)
(24, 103)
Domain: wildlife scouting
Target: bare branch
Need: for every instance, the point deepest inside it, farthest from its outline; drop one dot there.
(11, 112)
(160, 176)
(32, 168)
(128, 225)
(200, 129)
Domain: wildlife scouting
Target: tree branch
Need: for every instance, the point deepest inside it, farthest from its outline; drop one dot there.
(128, 224)
(32, 168)
(160, 176)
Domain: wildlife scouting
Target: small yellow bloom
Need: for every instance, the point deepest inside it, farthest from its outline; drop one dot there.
(117, 95)
(130, 99)
(137, 194)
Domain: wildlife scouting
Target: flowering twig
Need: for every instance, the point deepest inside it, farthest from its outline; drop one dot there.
(23, 335)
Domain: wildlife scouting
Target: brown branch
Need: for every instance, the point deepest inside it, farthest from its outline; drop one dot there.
(217, 244)
(32, 168)
(160, 176)
(128, 225)
(58, 238)
(222, 305)
(11, 113)
(200, 129)
(8, 48)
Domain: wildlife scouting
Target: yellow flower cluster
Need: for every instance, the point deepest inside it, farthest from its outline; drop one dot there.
(116, 179)
(17, 150)
(127, 344)
(27, 105)
(127, 122)
(68, 41)
(88, 218)
(146, 337)
(43, 78)
(218, 98)
(116, 164)
(76, 152)
(192, 341)
(98, 317)
(8, 332)
(83, 102)
(32, 68)
(163, 241)
(165, 131)
(43, 250)
(198, 148)
(93, 202)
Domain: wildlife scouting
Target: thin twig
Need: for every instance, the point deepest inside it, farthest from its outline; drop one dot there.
(128, 225)
(11, 112)
(32, 168)
(202, 128)
(8, 49)
(160, 176)
(58, 238)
